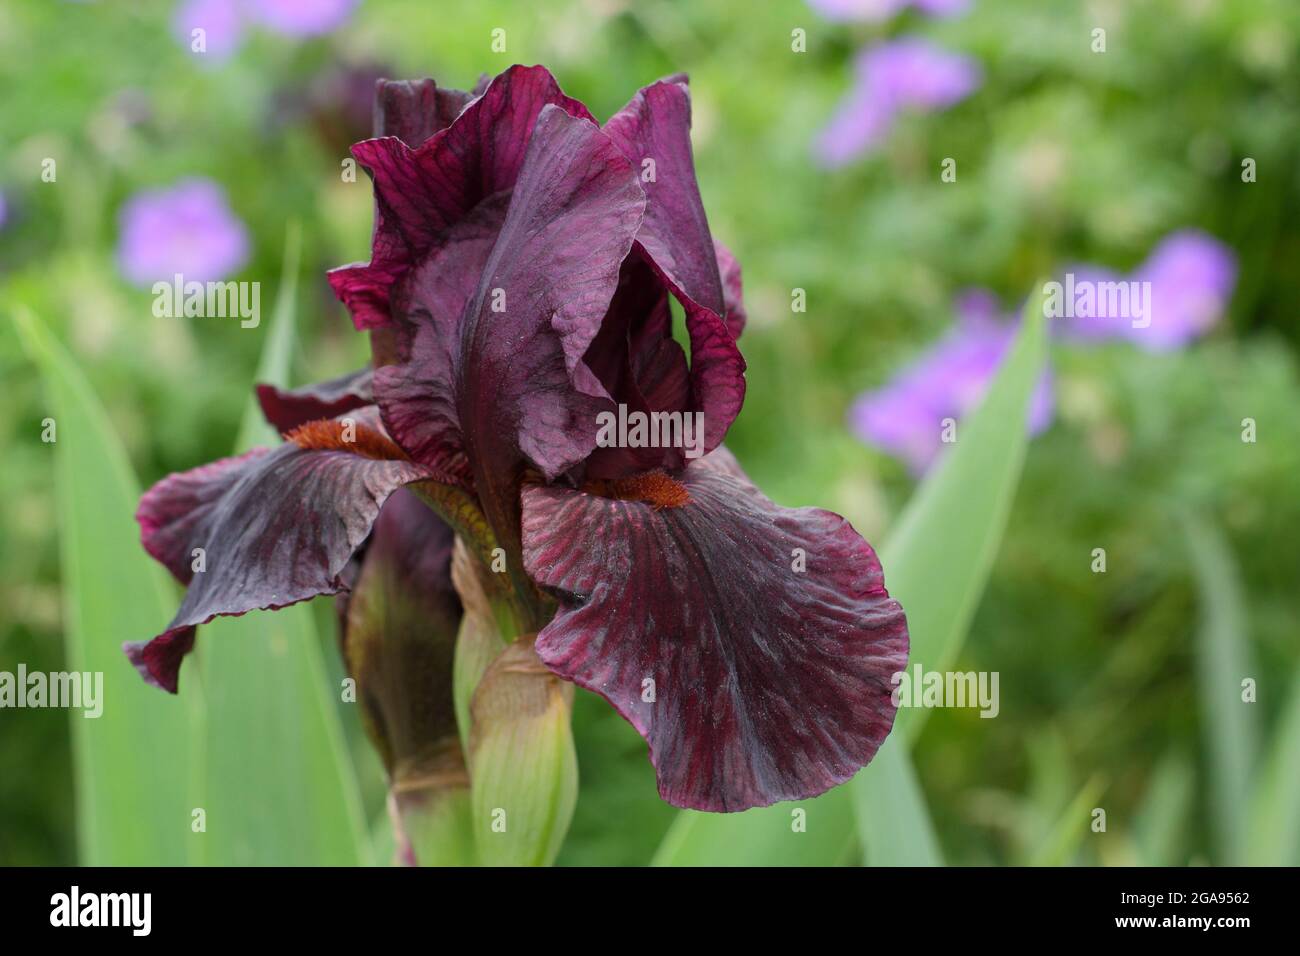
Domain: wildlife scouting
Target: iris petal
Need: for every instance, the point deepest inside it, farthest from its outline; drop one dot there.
(675, 239)
(264, 530)
(504, 384)
(752, 681)
(413, 110)
(421, 192)
(732, 290)
(287, 408)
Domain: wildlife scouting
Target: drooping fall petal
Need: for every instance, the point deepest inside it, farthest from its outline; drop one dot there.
(751, 645)
(262, 530)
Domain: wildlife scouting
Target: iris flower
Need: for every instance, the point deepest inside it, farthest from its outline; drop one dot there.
(523, 262)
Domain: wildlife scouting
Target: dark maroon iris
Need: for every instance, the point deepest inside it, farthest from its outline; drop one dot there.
(523, 264)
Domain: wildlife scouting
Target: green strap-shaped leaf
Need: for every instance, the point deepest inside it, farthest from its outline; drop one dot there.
(936, 564)
(815, 832)
(1273, 835)
(1063, 840)
(280, 786)
(1224, 660)
(894, 827)
(1161, 820)
(938, 558)
(133, 763)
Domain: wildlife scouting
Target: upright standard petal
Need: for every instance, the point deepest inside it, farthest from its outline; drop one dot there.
(654, 133)
(417, 392)
(513, 364)
(743, 702)
(413, 110)
(422, 192)
(264, 530)
(732, 291)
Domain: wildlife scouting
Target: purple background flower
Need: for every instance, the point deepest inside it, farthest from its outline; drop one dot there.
(1192, 277)
(301, 18)
(905, 416)
(187, 229)
(898, 75)
(220, 21)
(224, 20)
(883, 9)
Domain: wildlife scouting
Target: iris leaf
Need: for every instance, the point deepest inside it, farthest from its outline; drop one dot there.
(279, 781)
(1161, 821)
(132, 765)
(894, 828)
(1273, 831)
(1224, 660)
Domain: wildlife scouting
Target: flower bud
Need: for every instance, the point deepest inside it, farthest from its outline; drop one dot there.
(523, 765)
(399, 628)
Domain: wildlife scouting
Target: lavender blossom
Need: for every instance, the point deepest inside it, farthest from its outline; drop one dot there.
(908, 74)
(223, 21)
(1191, 276)
(187, 229)
(301, 18)
(876, 10)
(906, 416)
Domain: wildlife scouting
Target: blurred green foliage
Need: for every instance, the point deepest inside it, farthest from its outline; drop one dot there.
(1064, 155)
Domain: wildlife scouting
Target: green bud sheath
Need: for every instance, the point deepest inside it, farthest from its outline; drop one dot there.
(480, 639)
(522, 760)
(514, 717)
(399, 631)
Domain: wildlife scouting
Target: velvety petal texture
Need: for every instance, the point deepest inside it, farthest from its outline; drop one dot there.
(414, 110)
(654, 132)
(422, 192)
(274, 527)
(751, 645)
(286, 409)
(504, 386)
(523, 264)
(732, 291)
